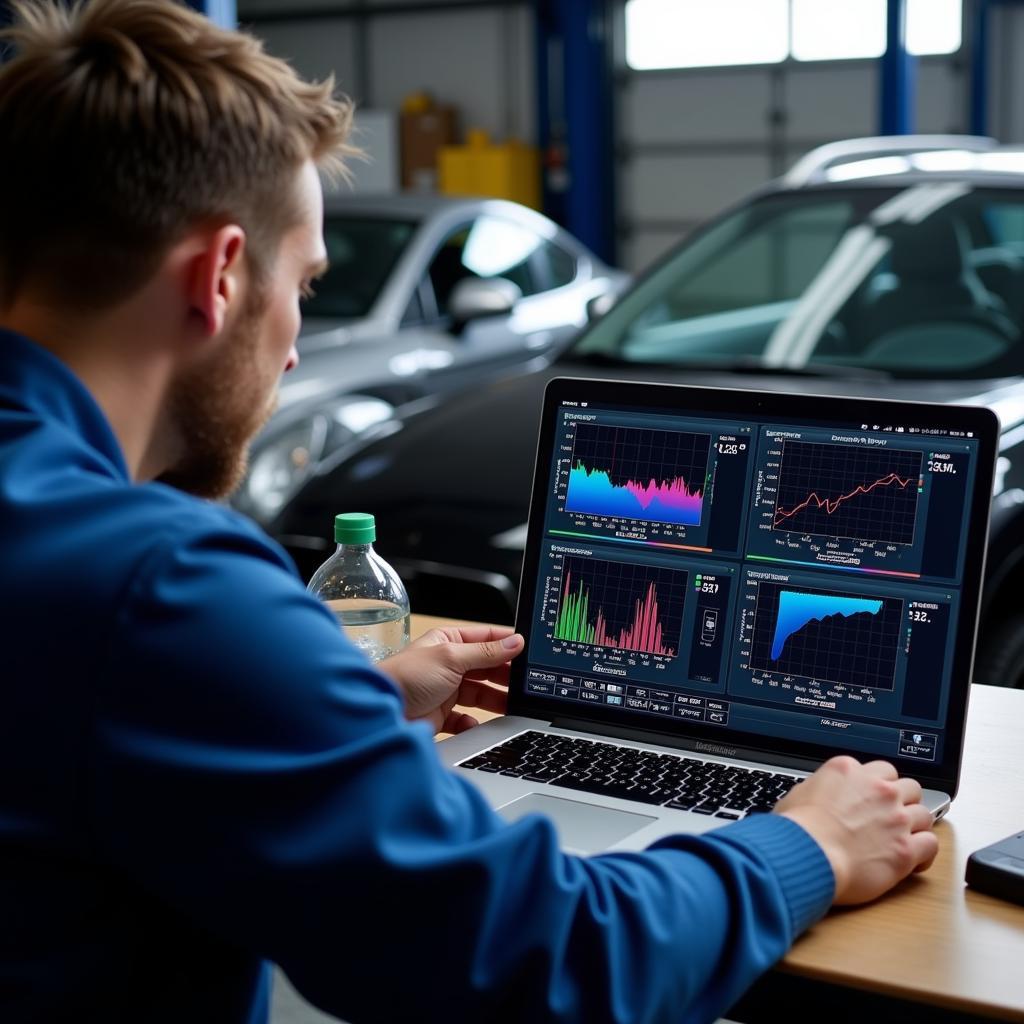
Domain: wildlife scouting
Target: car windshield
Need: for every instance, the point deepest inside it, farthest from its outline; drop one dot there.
(926, 281)
(362, 252)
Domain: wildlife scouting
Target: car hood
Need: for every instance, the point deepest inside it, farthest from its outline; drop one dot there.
(315, 331)
(479, 448)
(353, 361)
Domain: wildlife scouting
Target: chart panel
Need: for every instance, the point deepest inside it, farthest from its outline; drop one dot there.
(828, 636)
(633, 473)
(842, 491)
(650, 617)
(632, 607)
(867, 648)
(857, 503)
(620, 481)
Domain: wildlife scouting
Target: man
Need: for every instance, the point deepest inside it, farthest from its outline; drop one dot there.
(198, 775)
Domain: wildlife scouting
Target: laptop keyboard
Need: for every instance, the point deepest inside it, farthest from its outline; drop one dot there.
(705, 787)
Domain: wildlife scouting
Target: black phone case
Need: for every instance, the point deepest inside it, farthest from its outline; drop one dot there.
(999, 869)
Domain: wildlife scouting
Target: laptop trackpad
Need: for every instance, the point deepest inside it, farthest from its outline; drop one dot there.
(581, 827)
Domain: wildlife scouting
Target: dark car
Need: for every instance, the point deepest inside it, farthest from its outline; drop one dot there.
(893, 269)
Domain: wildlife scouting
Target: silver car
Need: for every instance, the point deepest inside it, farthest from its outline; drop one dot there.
(423, 294)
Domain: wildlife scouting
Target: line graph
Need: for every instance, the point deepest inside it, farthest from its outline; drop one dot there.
(831, 506)
(638, 473)
(622, 605)
(846, 492)
(827, 635)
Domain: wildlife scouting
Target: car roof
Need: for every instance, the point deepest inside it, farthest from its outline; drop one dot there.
(906, 160)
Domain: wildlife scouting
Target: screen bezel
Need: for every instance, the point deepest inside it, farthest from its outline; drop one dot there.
(787, 408)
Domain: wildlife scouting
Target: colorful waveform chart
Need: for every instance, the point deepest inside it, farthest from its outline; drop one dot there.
(638, 473)
(622, 605)
(828, 636)
(849, 492)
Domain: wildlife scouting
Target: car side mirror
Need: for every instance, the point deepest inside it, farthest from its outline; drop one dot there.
(476, 297)
(598, 305)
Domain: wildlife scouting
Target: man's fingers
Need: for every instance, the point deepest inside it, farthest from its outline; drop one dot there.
(474, 694)
(910, 791)
(458, 721)
(437, 635)
(924, 846)
(920, 818)
(498, 676)
(882, 769)
(469, 657)
(482, 634)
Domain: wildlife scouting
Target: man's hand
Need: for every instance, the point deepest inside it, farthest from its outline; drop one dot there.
(454, 665)
(871, 824)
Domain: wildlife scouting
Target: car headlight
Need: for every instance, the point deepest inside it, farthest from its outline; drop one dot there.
(282, 465)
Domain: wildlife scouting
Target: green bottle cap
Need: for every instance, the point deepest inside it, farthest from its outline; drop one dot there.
(354, 528)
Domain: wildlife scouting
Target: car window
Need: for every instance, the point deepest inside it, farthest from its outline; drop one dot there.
(1005, 222)
(489, 247)
(362, 252)
(922, 281)
(770, 262)
(560, 265)
(414, 311)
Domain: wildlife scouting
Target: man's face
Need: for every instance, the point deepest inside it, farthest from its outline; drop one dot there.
(219, 406)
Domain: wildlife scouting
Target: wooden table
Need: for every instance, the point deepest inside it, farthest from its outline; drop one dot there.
(933, 949)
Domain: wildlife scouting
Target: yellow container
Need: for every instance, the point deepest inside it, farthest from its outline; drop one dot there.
(510, 170)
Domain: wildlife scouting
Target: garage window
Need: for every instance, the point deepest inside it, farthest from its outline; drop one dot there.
(701, 33)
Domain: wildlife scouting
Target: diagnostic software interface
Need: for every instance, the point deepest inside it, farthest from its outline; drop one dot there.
(788, 580)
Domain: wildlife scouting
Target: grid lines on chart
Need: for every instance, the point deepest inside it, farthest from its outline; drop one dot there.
(615, 589)
(642, 454)
(847, 492)
(858, 651)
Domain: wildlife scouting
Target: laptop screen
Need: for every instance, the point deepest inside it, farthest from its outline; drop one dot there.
(786, 573)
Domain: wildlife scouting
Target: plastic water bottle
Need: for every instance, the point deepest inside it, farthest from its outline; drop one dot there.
(362, 590)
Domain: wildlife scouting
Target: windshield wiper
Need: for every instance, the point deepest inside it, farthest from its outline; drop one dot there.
(747, 365)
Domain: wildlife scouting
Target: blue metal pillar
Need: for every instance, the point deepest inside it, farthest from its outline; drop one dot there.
(222, 12)
(575, 92)
(897, 94)
(979, 67)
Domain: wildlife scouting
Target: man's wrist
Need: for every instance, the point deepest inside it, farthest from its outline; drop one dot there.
(816, 823)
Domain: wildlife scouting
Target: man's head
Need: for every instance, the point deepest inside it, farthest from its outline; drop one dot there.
(132, 127)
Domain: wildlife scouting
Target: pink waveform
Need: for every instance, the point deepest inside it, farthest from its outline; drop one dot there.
(673, 494)
(643, 635)
(830, 505)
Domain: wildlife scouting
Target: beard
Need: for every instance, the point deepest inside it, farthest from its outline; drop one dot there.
(218, 408)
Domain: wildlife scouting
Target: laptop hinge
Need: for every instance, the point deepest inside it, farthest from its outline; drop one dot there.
(769, 757)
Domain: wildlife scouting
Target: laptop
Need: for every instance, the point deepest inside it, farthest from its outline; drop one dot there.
(722, 589)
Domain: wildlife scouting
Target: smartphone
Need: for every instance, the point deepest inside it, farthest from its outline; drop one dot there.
(999, 869)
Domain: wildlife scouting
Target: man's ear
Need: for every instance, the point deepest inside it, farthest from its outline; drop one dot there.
(215, 277)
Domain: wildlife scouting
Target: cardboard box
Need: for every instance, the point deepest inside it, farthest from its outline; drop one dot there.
(422, 135)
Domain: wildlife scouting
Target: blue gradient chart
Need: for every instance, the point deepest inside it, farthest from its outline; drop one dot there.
(637, 473)
(797, 609)
(666, 501)
(834, 637)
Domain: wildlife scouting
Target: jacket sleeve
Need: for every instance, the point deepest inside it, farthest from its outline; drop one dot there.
(254, 771)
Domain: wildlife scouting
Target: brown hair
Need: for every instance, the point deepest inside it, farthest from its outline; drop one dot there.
(124, 123)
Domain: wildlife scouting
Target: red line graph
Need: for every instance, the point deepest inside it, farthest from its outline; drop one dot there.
(830, 505)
